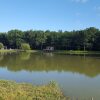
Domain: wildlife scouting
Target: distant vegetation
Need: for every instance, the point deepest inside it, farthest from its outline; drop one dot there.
(1, 46)
(25, 46)
(86, 65)
(13, 91)
(87, 39)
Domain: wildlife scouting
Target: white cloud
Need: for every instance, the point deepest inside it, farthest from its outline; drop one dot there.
(97, 8)
(80, 1)
(99, 14)
(78, 14)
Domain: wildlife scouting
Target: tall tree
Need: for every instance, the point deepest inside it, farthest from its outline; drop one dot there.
(15, 38)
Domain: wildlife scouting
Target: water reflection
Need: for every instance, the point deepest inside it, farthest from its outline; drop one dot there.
(78, 76)
(87, 65)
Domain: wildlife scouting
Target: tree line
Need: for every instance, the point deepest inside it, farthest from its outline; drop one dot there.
(87, 39)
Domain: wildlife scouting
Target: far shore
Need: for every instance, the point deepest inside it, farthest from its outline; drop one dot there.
(55, 51)
(7, 51)
(77, 52)
(16, 50)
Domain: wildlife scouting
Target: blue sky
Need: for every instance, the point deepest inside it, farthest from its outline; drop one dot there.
(49, 14)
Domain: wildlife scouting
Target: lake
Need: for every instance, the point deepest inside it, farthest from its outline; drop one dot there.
(77, 75)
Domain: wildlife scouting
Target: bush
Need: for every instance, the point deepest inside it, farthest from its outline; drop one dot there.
(1, 46)
(25, 46)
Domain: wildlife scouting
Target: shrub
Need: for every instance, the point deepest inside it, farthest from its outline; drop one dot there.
(1, 46)
(25, 46)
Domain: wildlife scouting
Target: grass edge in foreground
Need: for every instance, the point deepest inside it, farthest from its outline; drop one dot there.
(10, 90)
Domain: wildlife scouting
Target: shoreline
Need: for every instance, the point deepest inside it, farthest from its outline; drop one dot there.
(76, 52)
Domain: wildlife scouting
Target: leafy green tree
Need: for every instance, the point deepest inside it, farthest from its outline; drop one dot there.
(25, 46)
(89, 35)
(96, 43)
(4, 39)
(29, 37)
(40, 38)
(53, 39)
(1, 45)
(86, 39)
(15, 38)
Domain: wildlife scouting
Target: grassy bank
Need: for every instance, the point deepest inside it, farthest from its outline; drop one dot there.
(75, 52)
(16, 50)
(31, 51)
(56, 51)
(10, 90)
(7, 51)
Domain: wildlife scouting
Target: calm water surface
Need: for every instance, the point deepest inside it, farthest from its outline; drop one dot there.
(78, 76)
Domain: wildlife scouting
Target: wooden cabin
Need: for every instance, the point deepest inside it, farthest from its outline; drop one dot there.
(49, 49)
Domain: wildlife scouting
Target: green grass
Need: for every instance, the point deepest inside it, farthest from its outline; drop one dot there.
(16, 50)
(10, 90)
(7, 51)
(32, 51)
(75, 52)
(56, 51)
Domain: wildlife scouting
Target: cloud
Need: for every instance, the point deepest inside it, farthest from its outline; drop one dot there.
(97, 8)
(80, 1)
(78, 14)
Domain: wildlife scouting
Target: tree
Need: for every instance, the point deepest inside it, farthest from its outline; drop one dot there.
(1, 45)
(25, 46)
(29, 37)
(4, 39)
(53, 39)
(40, 38)
(15, 38)
(86, 39)
(89, 35)
(96, 43)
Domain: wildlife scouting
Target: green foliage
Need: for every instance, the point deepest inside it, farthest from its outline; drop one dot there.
(1, 46)
(87, 39)
(15, 38)
(25, 46)
(4, 39)
(96, 43)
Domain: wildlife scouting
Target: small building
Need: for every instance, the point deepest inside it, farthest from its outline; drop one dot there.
(4, 48)
(49, 48)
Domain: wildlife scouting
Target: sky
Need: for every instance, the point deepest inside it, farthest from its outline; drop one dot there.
(54, 15)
